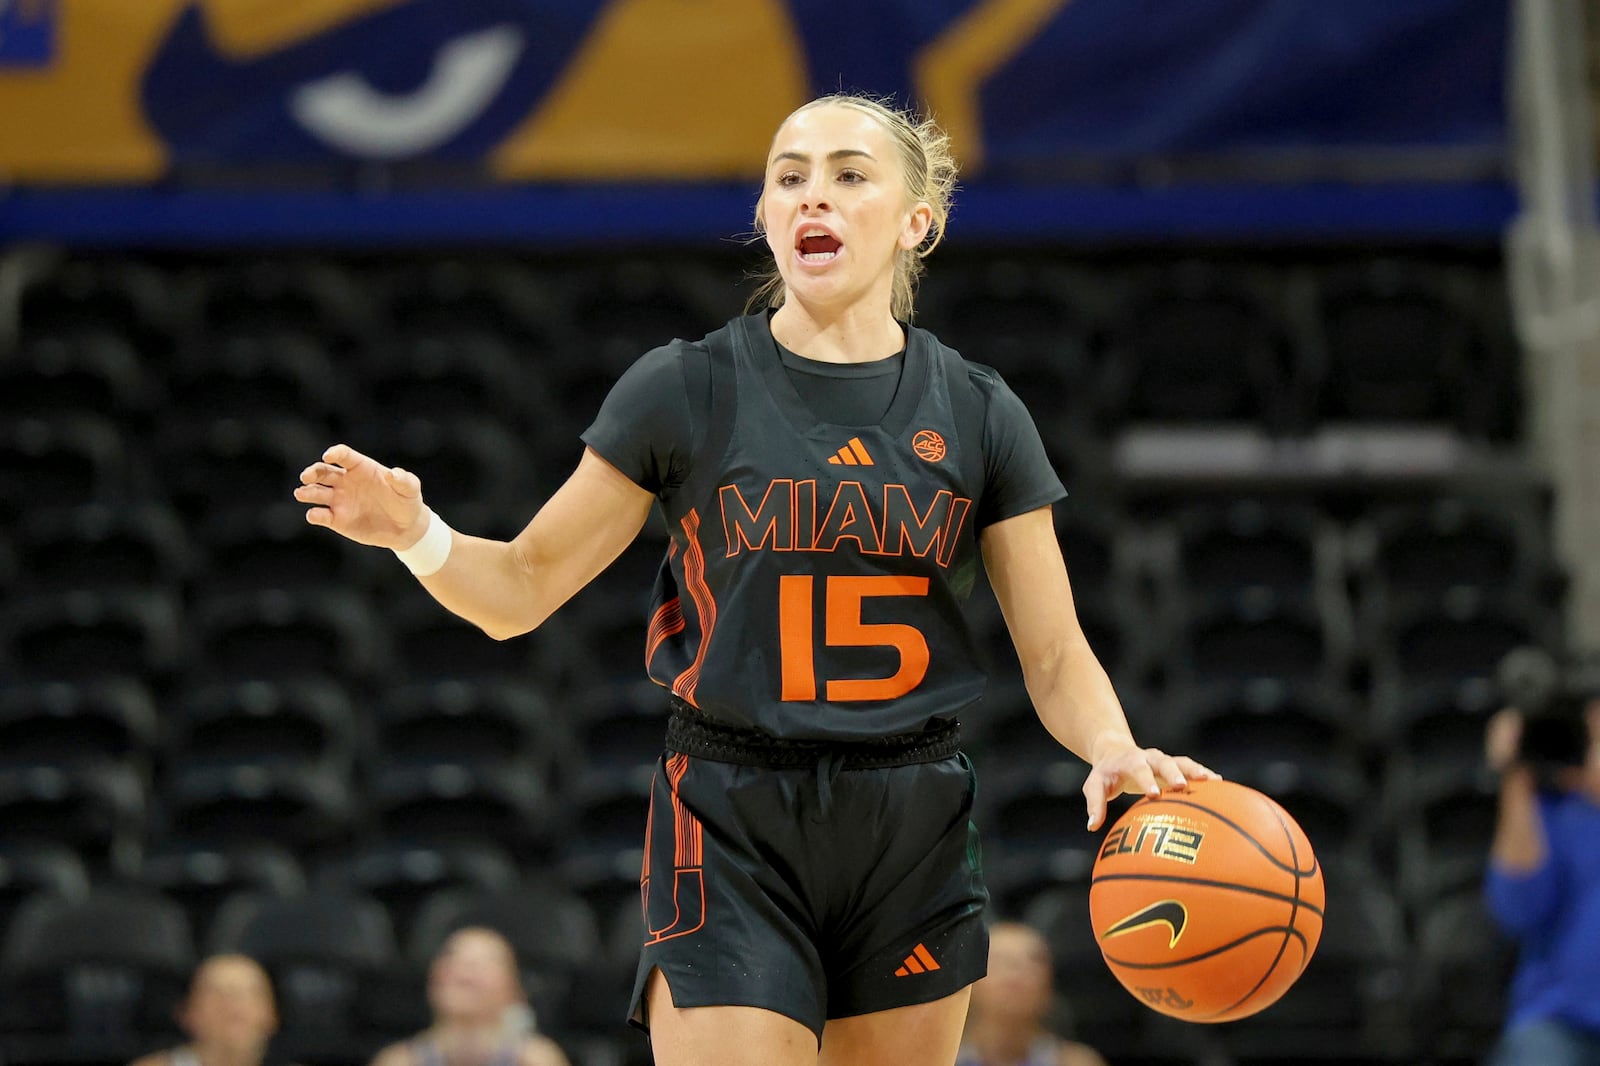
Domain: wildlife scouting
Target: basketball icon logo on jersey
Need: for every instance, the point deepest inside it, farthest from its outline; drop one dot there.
(928, 445)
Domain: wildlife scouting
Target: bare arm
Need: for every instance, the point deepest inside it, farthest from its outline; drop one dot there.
(1068, 686)
(393, 1055)
(504, 588)
(1519, 844)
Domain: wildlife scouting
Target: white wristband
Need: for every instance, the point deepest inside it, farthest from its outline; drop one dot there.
(427, 556)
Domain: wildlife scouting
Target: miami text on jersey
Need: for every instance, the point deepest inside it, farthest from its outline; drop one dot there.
(790, 517)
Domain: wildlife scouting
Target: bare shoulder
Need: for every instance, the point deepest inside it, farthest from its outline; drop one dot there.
(542, 1051)
(393, 1055)
(1070, 1053)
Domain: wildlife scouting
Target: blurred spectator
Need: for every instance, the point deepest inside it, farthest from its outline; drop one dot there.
(1006, 1024)
(229, 1014)
(1544, 882)
(480, 1016)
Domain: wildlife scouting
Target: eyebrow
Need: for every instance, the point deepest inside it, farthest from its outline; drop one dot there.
(833, 156)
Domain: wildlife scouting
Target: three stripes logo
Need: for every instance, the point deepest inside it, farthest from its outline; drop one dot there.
(920, 960)
(853, 453)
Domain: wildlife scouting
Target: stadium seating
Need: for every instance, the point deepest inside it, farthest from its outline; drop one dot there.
(204, 696)
(103, 972)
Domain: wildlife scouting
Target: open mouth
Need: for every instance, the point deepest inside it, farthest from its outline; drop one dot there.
(818, 247)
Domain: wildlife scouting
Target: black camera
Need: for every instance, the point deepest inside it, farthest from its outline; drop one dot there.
(1553, 696)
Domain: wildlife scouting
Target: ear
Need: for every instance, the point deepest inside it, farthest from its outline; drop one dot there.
(917, 223)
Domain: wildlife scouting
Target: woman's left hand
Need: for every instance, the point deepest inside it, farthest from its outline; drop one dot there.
(1137, 770)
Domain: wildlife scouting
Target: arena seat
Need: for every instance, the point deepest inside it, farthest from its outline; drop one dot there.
(1441, 820)
(201, 878)
(120, 296)
(404, 876)
(98, 546)
(1039, 807)
(97, 810)
(1243, 544)
(94, 373)
(319, 949)
(269, 293)
(27, 870)
(615, 731)
(1452, 542)
(606, 811)
(1262, 719)
(1024, 318)
(447, 372)
(1440, 724)
(296, 805)
(1260, 633)
(321, 633)
(64, 461)
(260, 721)
(1452, 638)
(1192, 344)
(624, 309)
(432, 645)
(63, 723)
(462, 459)
(209, 465)
(461, 720)
(262, 373)
(1095, 546)
(1406, 343)
(440, 802)
(1464, 964)
(99, 974)
(84, 634)
(257, 548)
(445, 294)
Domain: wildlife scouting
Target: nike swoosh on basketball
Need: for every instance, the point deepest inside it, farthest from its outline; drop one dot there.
(1168, 912)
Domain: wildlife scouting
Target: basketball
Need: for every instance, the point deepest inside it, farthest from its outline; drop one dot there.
(1207, 904)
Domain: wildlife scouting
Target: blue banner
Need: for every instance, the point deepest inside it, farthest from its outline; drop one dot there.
(344, 97)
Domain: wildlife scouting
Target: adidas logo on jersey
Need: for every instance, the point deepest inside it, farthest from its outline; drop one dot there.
(920, 960)
(853, 453)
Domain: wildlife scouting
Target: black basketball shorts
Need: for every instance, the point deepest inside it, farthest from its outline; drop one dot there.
(818, 892)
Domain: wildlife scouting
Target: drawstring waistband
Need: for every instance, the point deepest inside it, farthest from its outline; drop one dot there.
(692, 733)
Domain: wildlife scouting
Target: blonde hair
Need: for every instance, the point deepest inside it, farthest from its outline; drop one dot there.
(929, 169)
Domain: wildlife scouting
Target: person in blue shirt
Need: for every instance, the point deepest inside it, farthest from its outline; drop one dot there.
(1543, 888)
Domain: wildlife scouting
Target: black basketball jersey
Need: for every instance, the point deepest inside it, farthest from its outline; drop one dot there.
(814, 582)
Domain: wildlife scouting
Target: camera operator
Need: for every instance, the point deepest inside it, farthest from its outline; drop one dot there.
(1543, 885)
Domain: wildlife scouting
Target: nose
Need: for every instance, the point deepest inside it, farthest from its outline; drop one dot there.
(815, 198)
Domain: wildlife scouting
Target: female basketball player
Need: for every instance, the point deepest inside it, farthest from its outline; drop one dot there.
(831, 476)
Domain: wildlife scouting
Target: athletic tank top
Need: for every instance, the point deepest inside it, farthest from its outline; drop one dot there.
(813, 588)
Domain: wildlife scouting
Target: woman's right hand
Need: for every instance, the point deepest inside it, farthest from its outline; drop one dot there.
(359, 498)
(1502, 739)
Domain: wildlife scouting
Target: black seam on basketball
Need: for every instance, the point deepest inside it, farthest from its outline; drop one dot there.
(1266, 930)
(1294, 855)
(1225, 820)
(1294, 909)
(1205, 881)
